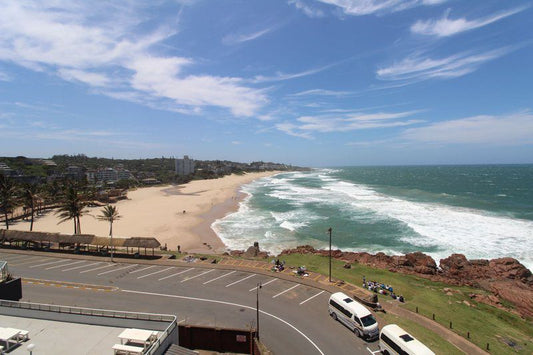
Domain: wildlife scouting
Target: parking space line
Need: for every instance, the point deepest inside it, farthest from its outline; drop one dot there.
(122, 268)
(29, 261)
(236, 282)
(144, 268)
(179, 273)
(50, 263)
(287, 290)
(216, 278)
(58, 266)
(195, 276)
(310, 298)
(96, 268)
(81, 266)
(156, 272)
(15, 257)
(263, 285)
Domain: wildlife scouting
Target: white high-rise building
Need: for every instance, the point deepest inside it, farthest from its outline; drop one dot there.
(184, 166)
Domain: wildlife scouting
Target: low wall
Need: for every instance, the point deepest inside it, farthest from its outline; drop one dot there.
(11, 290)
(216, 339)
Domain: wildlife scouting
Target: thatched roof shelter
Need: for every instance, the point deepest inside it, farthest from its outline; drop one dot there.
(139, 242)
(106, 241)
(26, 236)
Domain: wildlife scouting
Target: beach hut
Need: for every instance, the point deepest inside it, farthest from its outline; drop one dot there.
(142, 242)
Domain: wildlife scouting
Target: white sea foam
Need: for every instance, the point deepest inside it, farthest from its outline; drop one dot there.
(448, 229)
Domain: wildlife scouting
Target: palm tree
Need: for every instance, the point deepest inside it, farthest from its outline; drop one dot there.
(110, 214)
(8, 190)
(72, 208)
(29, 195)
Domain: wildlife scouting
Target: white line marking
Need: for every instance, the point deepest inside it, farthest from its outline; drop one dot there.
(373, 352)
(236, 282)
(179, 273)
(96, 268)
(31, 260)
(144, 268)
(50, 263)
(58, 266)
(122, 268)
(14, 258)
(82, 266)
(216, 278)
(156, 272)
(229, 304)
(262, 285)
(310, 298)
(287, 290)
(195, 276)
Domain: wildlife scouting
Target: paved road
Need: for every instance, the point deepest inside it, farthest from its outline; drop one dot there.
(293, 320)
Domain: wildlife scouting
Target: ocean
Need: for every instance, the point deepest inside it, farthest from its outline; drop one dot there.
(483, 211)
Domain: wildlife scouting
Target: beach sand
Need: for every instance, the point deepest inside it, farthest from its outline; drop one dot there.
(158, 212)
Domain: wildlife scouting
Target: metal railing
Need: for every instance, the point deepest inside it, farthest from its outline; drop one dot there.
(95, 312)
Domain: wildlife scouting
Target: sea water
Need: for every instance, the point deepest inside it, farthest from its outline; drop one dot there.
(479, 211)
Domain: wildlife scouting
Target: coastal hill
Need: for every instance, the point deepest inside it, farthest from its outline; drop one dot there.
(504, 278)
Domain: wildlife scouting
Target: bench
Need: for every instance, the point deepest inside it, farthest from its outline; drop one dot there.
(127, 349)
(23, 335)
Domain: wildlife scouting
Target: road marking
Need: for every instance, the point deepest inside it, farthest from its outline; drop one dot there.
(195, 276)
(373, 352)
(157, 272)
(236, 282)
(181, 321)
(58, 266)
(79, 267)
(216, 278)
(179, 273)
(31, 260)
(310, 298)
(287, 290)
(266, 283)
(229, 304)
(50, 263)
(122, 268)
(14, 258)
(144, 268)
(96, 268)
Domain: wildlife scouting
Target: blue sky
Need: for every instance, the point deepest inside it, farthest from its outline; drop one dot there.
(308, 82)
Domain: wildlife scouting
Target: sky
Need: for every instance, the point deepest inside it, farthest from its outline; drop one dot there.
(305, 82)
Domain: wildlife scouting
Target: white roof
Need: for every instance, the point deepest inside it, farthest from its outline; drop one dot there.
(408, 341)
(350, 304)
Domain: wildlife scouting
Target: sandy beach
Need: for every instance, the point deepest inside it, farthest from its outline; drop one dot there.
(159, 212)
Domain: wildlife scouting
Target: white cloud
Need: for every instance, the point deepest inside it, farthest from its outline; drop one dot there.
(305, 125)
(422, 68)
(4, 77)
(89, 78)
(282, 76)
(509, 129)
(240, 38)
(367, 7)
(445, 26)
(236, 142)
(306, 9)
(100, 45)
(322, 92)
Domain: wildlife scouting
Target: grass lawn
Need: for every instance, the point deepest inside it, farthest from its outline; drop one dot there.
(505, 332)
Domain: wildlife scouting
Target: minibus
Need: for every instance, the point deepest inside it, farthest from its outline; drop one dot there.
(353, 315)
(394, 340)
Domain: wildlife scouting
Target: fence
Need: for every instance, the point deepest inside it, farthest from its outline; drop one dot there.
(217, 339)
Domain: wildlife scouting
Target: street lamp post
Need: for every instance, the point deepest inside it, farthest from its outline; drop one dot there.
(257, 307)
(329, 230)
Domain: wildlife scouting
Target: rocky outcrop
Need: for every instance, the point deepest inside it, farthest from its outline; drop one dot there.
(505, 278)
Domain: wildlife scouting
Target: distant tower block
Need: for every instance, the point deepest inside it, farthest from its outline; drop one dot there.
(184, 166)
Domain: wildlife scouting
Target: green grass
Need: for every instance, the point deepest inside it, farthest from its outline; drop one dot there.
(485, 323)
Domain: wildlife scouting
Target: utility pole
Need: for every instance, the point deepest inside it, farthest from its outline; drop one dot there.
(257, 307)
(329, 230)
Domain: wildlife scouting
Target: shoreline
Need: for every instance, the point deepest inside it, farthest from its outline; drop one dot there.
(173, 214)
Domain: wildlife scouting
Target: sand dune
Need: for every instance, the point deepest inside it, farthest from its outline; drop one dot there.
(158, 212)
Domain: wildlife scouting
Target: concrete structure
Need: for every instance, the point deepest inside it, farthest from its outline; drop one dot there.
(184, 166)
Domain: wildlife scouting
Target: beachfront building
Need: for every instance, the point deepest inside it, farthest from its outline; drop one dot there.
(184, 166)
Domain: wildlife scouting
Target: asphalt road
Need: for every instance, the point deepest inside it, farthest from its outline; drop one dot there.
(294, 317)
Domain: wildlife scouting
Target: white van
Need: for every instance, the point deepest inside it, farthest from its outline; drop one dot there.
(395, 340)
(353, 315)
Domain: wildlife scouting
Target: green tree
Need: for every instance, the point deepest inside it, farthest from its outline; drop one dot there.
(29, 195)
(73, 207)
(8, 190)
(110, 214)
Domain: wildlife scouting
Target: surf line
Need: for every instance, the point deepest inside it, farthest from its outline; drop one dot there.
(228, 304)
